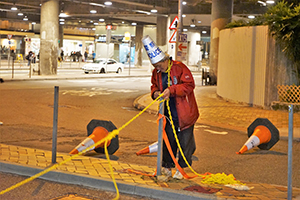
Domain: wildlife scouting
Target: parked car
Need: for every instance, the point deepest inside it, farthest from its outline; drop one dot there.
(99, 66)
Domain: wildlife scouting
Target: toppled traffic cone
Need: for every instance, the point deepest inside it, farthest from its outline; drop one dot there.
(97, 130)
(261, 133)
(150, 149)
(98, 134)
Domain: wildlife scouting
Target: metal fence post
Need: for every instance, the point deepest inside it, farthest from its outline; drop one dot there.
(30, 69)
(290, 152)
(55, 116)
(12, 68)
(160, 138)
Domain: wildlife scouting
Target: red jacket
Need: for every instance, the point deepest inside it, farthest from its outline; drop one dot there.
(182, 88)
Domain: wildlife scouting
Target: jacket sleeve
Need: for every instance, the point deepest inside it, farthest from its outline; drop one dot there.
(154, 83)
(185, 83)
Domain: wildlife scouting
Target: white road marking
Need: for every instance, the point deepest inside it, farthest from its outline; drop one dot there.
(216, 132)
(201, 126)
(95, 91)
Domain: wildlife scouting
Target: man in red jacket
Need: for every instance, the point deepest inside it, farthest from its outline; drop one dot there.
(175, 81)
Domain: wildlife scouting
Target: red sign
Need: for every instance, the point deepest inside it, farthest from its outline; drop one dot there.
(9, 36)
(108, 27)
(174, 23)
(173, 37)
(181, 47)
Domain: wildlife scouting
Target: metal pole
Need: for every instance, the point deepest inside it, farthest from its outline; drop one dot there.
(29, 69)
(12, 69)
(129, 56)
(0, 52)
(107, 50)
(179, 26)
(160, 138)
(290, 152)
(55, 116)
(8, 57)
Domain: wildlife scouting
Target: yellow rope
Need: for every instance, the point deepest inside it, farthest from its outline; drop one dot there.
(218, 178)
(109, 137)
(111, 171)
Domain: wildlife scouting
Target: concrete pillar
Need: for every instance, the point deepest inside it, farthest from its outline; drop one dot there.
(139, 45)
(222, 11)
(161, 30)
(61, 36)
(49, 34)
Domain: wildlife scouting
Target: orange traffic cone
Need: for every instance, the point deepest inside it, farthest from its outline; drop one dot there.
(98, 134)
(150, 149)
(261, 135)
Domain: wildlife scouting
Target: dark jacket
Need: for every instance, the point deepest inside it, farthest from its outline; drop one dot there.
(182, 88)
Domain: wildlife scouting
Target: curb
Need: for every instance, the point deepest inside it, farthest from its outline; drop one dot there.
(105, 184)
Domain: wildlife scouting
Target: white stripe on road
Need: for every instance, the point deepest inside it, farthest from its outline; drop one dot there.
(216, 132)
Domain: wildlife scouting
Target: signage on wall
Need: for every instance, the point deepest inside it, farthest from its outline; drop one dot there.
(173, 26)
(9, 37)
(174, 23)
(110, 27)
(127, 36)
(182, 47)
(26, 39)
(173, 37)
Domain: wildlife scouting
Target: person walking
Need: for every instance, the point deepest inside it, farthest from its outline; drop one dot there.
(94, 56)
(85, 56)
(29, 57)
(175, 81)
(62, 55)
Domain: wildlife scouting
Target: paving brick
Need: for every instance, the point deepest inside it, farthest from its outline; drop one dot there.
(22, 162)
(105, 176)
(42, 164)
(129, 180)
(82, 171)
(71, 169)
(262, 197)
(5, 150)
(247, 198)
(14, 154)
(93, 172)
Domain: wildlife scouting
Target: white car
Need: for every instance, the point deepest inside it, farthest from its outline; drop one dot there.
(100, 66)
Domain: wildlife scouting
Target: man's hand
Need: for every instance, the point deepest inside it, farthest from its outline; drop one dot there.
(156, 94)
(166, 93)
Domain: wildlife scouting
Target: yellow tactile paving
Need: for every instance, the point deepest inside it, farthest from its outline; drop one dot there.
(99, 168)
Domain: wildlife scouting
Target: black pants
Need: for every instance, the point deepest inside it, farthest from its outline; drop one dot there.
(187, 144)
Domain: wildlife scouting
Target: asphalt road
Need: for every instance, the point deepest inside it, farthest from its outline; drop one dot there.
(27, 114)
(39, 189)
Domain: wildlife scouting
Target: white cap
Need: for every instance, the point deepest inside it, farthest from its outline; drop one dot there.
(154, 53)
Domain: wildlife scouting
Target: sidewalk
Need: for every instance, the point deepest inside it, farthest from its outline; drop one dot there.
(94, 172)
(215, 111)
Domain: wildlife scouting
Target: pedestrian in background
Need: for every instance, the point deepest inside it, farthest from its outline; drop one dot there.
(29, 57)
(62, 55)
(85, 56)
(94, 56)
(175, 81)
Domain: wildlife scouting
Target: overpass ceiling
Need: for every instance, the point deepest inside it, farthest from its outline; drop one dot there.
(125, 11)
